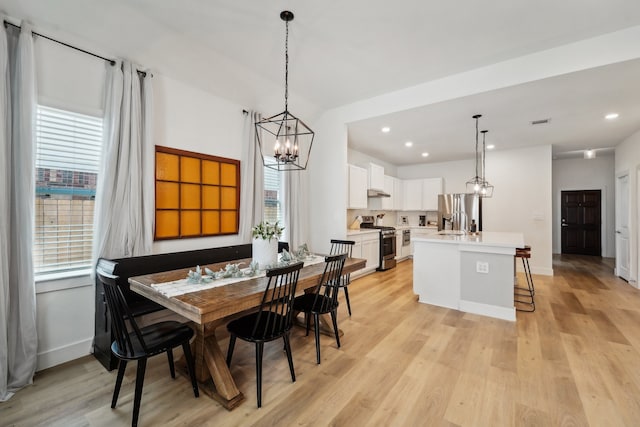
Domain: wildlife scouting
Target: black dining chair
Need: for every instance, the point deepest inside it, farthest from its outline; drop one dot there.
(339, 247)
(136, 343)
(324, 298)
(272, 321)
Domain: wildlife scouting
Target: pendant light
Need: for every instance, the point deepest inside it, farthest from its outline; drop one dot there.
(478, 184)
(475, 183)
(289, 136)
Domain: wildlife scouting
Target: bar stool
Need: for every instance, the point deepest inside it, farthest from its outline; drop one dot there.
(523, 295)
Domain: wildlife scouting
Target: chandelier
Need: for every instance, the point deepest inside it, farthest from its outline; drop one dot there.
(289, 136)
(479, 184)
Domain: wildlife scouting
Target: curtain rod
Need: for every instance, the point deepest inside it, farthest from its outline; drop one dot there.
(110, 61)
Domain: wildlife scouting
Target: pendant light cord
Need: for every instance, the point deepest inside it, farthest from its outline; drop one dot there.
(477, 147)
(286, 68)
(484, 134)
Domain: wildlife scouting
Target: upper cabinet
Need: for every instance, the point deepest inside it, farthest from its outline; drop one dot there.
(431, 187)
(376, 177)
(357, 188)
(398, 195)
(421, 194)
(412, 195)
(385, 203)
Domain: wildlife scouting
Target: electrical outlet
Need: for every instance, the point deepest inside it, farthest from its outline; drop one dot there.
(482, 267)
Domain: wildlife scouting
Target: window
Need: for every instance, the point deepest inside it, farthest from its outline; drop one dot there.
(272, 196)
(196, 194)
(68, 148)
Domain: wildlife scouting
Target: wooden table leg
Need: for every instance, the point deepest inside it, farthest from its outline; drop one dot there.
(212, 372)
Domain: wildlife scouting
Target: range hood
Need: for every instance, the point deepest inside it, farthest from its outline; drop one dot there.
(377, 193)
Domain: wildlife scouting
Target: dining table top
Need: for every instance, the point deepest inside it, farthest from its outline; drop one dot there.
(217, 303)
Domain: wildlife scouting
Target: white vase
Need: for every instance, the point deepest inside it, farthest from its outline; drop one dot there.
(265, 252)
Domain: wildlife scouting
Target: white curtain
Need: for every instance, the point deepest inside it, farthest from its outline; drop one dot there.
(18, 335)
(295, 207)
(251, 178)
(125, 190)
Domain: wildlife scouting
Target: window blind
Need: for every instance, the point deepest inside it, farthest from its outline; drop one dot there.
(272, 194)
(68, 150)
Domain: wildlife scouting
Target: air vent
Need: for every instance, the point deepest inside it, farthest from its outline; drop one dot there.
(540, 122)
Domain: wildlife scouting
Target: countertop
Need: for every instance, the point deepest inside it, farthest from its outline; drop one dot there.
(485, 238)
(362, 231)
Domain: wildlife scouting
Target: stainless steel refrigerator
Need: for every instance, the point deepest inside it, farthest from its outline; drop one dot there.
(459, 211)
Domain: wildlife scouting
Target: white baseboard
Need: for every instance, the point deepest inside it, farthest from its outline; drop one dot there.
(63, 354)
(543, 271)
(488, 310)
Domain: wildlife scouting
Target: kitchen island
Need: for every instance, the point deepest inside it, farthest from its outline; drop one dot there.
(470, 273)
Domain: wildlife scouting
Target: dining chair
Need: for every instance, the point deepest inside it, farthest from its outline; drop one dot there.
(339, 247)
(139, 343)
(272, 320)
(324, 298)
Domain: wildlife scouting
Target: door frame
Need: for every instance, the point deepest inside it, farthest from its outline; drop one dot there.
(631, 237)
(603, 217)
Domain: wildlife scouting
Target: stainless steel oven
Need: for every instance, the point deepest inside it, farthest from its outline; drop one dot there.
(387, 243)
(387, 249)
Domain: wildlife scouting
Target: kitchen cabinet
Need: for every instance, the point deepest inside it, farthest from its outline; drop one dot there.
(421, 194)
(371, 251)
(376, 176)
(397, 194)
(398, 245)
(357, 188)
(385, 203)
(431, 187)
(367, 246)
(412, 195)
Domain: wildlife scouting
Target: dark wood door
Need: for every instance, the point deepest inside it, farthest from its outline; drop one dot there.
(580, 222)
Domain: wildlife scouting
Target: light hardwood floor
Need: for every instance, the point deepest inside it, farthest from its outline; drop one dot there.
(575, 361)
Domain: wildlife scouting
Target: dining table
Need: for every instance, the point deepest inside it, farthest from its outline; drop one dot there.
(210, 309)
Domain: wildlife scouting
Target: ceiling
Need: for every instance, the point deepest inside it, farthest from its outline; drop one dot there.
(342, 52)
(575, 103)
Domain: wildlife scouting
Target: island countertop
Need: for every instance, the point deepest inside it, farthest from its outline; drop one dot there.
(485, 238)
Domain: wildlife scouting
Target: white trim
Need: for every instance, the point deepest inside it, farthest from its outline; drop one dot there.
(57, 356)
(503, 313)
(60, 281)
(542, 271)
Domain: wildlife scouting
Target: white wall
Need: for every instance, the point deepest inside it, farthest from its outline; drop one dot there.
(361, 159)
(521, 200)
(185, 118)
(583, 174)
(627, 160)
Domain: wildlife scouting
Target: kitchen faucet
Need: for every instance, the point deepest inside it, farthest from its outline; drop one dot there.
(466, 220)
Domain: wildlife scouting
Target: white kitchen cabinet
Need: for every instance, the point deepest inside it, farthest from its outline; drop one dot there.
(367, 246)
(357, 188)
(412, 195)
(397, 194)
(385, 203)
(399, 245)
(431, 187)
(371, 250)
(376, 176)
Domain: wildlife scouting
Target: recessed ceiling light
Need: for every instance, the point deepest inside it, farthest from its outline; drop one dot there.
(386, 129)
(490, 147)
(589, 154)
(612, 116)
(408, 144)
(425, 154)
